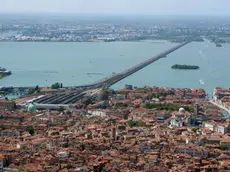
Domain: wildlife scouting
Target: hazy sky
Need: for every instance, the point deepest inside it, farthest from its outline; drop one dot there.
(159, 7)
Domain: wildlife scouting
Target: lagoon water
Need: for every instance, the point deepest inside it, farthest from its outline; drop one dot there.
(43, 63)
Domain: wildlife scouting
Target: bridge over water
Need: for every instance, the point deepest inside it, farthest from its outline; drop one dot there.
(109, 81)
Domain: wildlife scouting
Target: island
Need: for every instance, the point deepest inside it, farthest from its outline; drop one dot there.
(4, 72)
(177, 66)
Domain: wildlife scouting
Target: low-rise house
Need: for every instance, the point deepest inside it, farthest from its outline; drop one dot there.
(192, 150)
(145, 147)
(8, 133)
(120, 97)
(7, 105)
(210, 140)
(137, 101)
(225, 142)
(12, 117)
(162, 117)
(2, 161)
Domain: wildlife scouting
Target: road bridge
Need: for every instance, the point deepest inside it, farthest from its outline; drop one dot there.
(109, 81)
(118, 77)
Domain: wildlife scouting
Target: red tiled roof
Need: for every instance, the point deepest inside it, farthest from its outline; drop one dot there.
(140, 109)
(123, 121)
(4, 101)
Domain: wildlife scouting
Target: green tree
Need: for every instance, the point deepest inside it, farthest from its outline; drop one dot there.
(171, 107)
(137, 106)
(31, 91)
(120, 105)
(141, 123)
(194, 130)
(56, 85)
(30, 129)
(224, 147)
(88, 102)
(132, 123)
(61, 109)
(69, 166)
(2, 127)
(36, 88)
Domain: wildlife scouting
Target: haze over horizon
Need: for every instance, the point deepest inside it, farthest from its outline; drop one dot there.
(143, 7)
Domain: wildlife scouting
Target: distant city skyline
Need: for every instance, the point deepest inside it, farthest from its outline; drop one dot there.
(148, 7)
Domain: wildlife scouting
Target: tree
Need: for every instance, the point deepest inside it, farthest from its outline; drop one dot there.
(69, 166)
(2, 127)
(61, 109)
(56, 85)
(30, 129)
(132, 123)
(142, 123)
(120, 105)
(137, 106)
(194, 130)
(224, 147)
(88, 102)
(31, 91)
(34, 90)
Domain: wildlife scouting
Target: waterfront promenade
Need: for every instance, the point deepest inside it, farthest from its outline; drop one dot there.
(220, 106)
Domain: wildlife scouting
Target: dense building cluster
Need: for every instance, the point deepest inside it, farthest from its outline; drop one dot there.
(82, 29)
(140, 129)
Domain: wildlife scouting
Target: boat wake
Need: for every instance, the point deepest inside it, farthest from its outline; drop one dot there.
(201, 82)
(202, 54)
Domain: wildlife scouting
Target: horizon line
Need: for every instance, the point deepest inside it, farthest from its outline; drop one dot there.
(115, 14)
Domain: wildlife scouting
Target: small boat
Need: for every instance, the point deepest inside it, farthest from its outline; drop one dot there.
(201, 82)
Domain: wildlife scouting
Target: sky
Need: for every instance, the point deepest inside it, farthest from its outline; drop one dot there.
(149, 7)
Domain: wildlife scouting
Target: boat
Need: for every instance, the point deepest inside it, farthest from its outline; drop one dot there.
(4, 72)
(201, 82)
(218, 45)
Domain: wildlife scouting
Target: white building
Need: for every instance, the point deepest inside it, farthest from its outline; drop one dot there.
(97, 113)
(215, 127)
